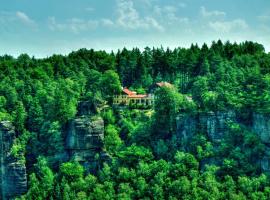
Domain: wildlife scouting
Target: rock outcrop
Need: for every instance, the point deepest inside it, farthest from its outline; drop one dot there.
(85, 108)
(13, 179)
(186, 127)
(261, 126)
(216, 124)
(213, 124)
(84, 139)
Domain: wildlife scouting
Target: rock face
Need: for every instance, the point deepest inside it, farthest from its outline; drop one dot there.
(85, 108)
(261, 126)
(13, 180)
(84, 141)
(186, 126)
(85, 133)
(213, 124)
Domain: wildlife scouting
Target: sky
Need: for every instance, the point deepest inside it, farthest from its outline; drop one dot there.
(41, 28)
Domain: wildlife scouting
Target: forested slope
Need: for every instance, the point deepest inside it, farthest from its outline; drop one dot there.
(147, 158)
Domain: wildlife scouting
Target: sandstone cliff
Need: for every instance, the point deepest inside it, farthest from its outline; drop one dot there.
(13, 179)
(84, 138)
(215, 125)
(261, 126)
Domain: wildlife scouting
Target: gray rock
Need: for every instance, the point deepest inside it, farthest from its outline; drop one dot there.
(265, 161)
(85, 133)
(85, 108)
(13, 181)
(84, 141)
(215, 124)
(261, 126)
(186, 126)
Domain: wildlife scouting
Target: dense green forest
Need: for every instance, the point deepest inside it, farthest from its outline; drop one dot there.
(147, 161)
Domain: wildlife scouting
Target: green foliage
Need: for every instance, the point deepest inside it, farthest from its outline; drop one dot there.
(51, 135)
(66, 100)
(108, 117)
(132, 154)
(18, 148)
(72, 171)
(19, 116)
(39, 96)
(168, 103)
(112, 140)
(110, 84)
(177, 179)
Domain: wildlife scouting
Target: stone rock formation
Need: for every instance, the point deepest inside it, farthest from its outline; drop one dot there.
(186, 126)
(84, 139)
(215, 127)
(216, 124)
(85, 108)
(213, 124)
(261, 126)
(13, 179)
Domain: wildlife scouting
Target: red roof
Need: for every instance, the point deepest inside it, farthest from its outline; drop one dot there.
(161, 84)
(133, 94)
(129, 92)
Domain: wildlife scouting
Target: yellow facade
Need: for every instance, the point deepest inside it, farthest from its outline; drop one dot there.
(148, 100)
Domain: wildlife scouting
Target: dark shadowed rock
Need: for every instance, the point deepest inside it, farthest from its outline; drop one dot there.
(261, 126)
(84, 141)
(13, 181)
(186, 127)
(85, 132)
(213, 124)
(216, 124)
(85, 108)
(264, 162)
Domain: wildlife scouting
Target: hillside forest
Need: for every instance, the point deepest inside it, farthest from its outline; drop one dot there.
(147, 159)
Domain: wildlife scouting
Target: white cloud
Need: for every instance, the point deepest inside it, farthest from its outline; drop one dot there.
(228, 26)
(184, 20)
(107, 22)
(17, 17)
(169, 14)
(24, 18)
(214, 13)
(90, 9)
(170, 9)
(129, 17)
(152, 22)
(74, 25)
(146, 2)
(173, 18)
(182, 5)
(157, 10)
(264, 18)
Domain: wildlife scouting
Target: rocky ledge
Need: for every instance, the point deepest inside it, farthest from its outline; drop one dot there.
(13, 179)
(84, 141)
